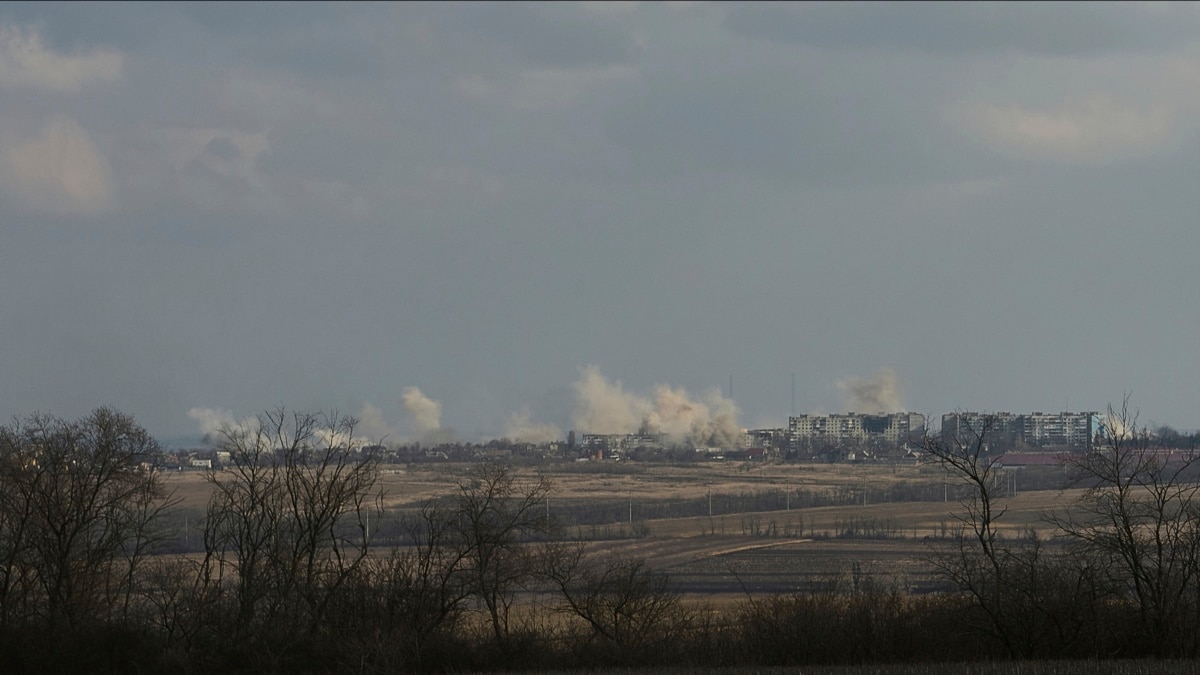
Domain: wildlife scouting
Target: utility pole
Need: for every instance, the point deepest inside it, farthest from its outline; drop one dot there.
(793, 394)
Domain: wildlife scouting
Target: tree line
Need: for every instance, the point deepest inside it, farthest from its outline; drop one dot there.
(290, 576)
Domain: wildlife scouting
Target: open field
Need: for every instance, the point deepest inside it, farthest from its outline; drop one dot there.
(761, 538)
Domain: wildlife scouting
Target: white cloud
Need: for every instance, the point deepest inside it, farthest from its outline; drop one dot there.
(26, 62)
(59, 172)
(1095, 110)
(1095, 128)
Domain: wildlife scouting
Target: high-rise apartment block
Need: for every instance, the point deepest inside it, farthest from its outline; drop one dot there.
(1067, 430)
(853, 428)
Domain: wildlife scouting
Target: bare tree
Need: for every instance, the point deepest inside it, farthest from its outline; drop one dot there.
(419, 593)
(628, 608)
(975, 563)
(495, 514)
(80, 503)
(1140, 514)
(288, 522)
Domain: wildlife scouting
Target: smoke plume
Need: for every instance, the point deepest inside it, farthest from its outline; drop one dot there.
(1118, 426)
(373, 427)
(521, 428)
(424, 413)
(878, 394)
(604, 407)
(215, 423)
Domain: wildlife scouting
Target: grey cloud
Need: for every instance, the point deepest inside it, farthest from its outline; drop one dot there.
(721, 205)
(223, 148)
(798, 123)
(540, 34)
(88, 25)
(1052, 28)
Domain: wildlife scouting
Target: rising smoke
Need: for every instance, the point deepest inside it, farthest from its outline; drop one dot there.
(424, 413)
(878, 394)
(1118, 426)
(424, 423)
(216, 423)
(604, 407)
(521, 428)
(372, 425)
(601, 406)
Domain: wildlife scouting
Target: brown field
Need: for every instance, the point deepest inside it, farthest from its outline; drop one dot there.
(720, 556)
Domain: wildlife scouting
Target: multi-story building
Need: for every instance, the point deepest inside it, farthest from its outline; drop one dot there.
(616, 444)
(1066, 430)
(852, 428)
(1001, 429)
(774, 441)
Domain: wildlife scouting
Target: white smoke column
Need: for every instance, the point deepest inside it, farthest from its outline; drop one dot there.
(1117, 427)
(523, 429)
(603, 407)
(216, 423)
(339, 438)
(878, 394)
(711, 421)
(722, 428)
(372, 427)
(424, 413)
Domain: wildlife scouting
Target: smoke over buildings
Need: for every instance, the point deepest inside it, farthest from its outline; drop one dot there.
(603, 406)
(600, 406)
(521, 427)
(214, 422)
(424, 423)
(374, 427)
(424, 413)
(878, 394)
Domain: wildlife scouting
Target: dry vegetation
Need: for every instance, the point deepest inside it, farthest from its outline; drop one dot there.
(304, 556)
(720, 556)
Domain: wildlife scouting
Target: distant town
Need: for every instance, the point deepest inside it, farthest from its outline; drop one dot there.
(846, 437)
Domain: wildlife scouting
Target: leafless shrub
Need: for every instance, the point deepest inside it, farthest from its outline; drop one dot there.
(79, 508)
(288, 524)
(630, 613)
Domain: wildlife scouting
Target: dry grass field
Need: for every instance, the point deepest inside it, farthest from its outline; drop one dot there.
(734, 553)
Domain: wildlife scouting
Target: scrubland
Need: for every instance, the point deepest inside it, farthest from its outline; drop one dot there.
(302, 555)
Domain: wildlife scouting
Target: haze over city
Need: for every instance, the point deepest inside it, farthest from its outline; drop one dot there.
(512, 220)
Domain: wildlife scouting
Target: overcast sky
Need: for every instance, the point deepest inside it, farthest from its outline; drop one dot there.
(230, 207)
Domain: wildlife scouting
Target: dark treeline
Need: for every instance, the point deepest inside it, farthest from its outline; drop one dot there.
(295, 567)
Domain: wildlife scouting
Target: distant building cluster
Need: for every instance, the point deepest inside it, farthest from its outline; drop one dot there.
(1072, 431)
(805, 434)
(854, 428)
(599, 446)
(836, 437)
(862, 435)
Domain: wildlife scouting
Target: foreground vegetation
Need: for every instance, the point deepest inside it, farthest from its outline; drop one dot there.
(290, 576)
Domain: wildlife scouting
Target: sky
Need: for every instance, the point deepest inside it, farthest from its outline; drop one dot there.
(468, 216)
